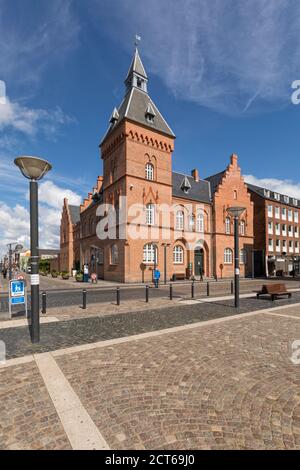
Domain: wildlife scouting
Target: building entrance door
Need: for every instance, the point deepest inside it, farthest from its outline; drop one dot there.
(199, 261)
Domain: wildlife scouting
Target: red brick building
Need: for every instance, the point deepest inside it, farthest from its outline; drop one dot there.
(178, 223)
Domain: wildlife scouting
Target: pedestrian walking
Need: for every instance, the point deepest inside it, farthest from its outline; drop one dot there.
(156, 277)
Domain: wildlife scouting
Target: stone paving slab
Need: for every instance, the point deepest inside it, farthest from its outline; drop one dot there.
(230, 385)
(63, 334)
(28, 419)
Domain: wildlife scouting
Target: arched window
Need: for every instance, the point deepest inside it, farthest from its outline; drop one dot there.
(150, 214)
(178, 254)
(179, 220)
(149, 253)
(242, 227)
(114, 254)
(243, 256)
(200, 223)
(149, 171)
(227, 225)
(227, 256)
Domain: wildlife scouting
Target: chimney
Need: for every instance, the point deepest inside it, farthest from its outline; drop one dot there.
(195, 174)
(234, 160)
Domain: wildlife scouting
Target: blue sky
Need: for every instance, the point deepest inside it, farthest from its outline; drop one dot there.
(220, 73)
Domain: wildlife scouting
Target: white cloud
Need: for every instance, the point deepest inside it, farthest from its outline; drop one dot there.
(287, 187)
(29, 121)
(14, 219)
(229, 56)
(33, 36)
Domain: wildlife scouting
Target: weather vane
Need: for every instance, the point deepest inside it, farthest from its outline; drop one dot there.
(137, 40)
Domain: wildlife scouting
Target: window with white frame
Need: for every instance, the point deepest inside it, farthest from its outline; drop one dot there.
(296, 231)
(242, 227)
(270, 227)
(291, 246)
(290, 215)
(149, 253)
(114, 254)
(277, 245)
(277, 229)
(270, 211)
(150, 214)
(283, 229)
(227, 225)
(277, 212)
(178, 254)
(228, 256)
(283, 213)
(296, 217)
(270, 244)
(179, 220)
(277, 196)
(149, 171)
(191, 222)
(200, 223)
(290, 231)
(286, 199)
(295, 202)
(243, 256)
(266, 192)
(297, 247)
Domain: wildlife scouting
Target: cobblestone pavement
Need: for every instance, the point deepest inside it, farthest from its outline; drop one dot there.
(226, 384)
(68, 333)
(28, 419)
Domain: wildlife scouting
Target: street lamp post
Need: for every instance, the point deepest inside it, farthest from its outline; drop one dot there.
(165, 245)
(34, 169)
(236, 212)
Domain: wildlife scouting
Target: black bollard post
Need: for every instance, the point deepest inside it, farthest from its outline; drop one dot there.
(147, 293)
(171, 292)
(44, 303)
(207, 289)
(231, 287)
(84, 299)
(118, 295)
(193, 289)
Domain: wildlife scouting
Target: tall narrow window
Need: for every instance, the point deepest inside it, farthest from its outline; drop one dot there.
(150, 214)
(227, 225)
(114, 254)
(178, 254)
(242, 227)
(150, 253)
(243, 256)
(227, 256)
(200, 223)
(149, 171)
(179, 220)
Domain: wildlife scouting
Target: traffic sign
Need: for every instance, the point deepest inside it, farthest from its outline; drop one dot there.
(17, 294)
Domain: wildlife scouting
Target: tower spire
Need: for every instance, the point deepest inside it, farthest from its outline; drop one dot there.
(136, 75)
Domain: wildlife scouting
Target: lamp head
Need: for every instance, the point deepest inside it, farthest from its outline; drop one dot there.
(235, 211)
(33, 168)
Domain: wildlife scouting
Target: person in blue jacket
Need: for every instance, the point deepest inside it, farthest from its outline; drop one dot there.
(156, 277)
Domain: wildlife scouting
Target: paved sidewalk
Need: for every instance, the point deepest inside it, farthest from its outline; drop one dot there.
(227, 383)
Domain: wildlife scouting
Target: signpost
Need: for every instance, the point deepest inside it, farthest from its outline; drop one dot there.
(17, 294)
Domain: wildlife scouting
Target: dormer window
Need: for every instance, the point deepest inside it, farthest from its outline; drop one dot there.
(267, 193)
(150, 113)
(185, 185)
(277, 196)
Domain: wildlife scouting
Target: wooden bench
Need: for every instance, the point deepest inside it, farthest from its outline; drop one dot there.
(274, 290)
(179, 276)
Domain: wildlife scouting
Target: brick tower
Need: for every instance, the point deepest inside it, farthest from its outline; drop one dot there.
(137, 163)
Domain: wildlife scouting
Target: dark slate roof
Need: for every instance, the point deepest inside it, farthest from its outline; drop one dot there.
(199, 191)
(136, 66)
(263, 193)
(75, 214)
(134, 107)
(215, 180)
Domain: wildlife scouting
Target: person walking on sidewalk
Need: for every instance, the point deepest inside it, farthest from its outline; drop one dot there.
(156, 277)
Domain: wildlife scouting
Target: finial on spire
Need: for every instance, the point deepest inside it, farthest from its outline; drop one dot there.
(137, 40)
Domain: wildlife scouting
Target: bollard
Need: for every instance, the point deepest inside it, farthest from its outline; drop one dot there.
(118, 295)
(84, 299)
(207, 289)
(44, 303)
(193, 289)
(171, 292)
(231, 287)
(147, 293)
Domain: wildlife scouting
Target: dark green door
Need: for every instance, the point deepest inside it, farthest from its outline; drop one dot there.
(199, 262)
